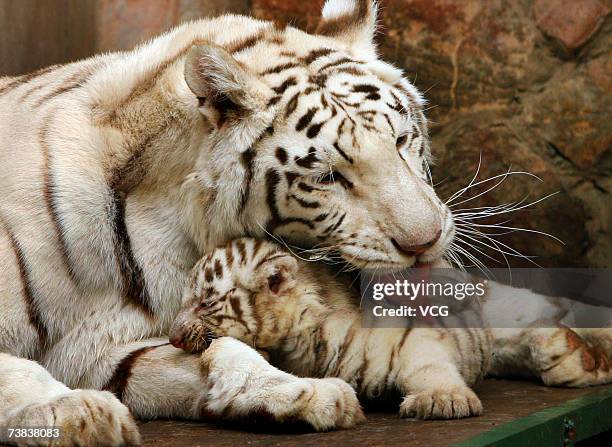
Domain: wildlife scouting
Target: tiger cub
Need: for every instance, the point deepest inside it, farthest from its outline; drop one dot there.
(308, 321)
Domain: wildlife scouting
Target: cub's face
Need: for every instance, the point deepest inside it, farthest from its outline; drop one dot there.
(232, 292)
(320, 143)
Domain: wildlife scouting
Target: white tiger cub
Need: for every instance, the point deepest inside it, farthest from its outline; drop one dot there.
(309, 322)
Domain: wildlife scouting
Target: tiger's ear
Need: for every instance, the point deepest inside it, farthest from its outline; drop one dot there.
(277, 275)
(353, 22)
(212, 74)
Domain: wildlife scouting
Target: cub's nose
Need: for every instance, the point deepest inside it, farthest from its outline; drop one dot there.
(415, 250)
(176, 340)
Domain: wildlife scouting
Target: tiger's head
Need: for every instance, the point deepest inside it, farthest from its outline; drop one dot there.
(317, 141)
(248, 289)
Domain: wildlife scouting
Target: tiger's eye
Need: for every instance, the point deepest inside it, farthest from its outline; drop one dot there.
(401, 140)
(327, 179)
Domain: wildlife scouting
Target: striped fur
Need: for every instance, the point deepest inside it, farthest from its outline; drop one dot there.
(308, 320)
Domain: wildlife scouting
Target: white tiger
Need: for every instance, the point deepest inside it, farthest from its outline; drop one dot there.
(118, 172)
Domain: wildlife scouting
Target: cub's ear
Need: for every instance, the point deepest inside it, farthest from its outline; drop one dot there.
(276, 274)
(214, 75)
(353, 22)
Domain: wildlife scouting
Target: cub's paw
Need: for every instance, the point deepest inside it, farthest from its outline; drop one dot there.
(84, 418)
(455, 403)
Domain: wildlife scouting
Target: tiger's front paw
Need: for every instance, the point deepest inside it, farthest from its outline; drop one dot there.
(84, 418)
(455, 403)
(324, 404)
(331, 403)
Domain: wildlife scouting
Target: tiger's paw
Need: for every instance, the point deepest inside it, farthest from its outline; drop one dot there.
(324, 404)
(330, 403)
(83, 417)
(455, 403)
(565, 359)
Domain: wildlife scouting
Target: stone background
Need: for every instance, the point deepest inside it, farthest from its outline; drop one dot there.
(525, 83)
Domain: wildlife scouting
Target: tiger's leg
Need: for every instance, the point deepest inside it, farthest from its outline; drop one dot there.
(230, 380)
(30, 397)
(556, 354)
(431, 379)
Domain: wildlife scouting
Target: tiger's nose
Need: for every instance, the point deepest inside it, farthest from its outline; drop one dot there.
(416, 250)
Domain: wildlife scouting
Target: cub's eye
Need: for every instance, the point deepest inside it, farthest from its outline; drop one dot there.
(401, 140)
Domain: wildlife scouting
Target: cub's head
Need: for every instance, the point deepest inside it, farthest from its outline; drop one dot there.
(315, 140)
(235, 291)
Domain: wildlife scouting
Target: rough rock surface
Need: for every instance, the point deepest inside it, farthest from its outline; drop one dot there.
(527, 84)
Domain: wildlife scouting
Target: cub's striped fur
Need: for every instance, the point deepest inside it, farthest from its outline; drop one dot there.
(309, 322)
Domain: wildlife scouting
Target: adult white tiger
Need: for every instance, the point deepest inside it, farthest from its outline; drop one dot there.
(120, 170)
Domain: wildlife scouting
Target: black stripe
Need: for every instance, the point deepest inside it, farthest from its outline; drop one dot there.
(307, 188)
(76, 80)
(218, 268)
(133, 284)
(398, 106)
(274, 100)
(246, 43)
(276, 220)
(28, 290)
(342, 153)
(123, 371)
(334, 227)
(365, 88)
(291, 176)
(281, 155)
(306, 119)
(292, 105)
(21, 80)
(316, 54)
(290, 82)
(343, 60)
(351, 70)
(50, 197)
(241, 250)
(246, 159)
(304, 203)
(389, 122)
(308, 160)
(337, 102)
(278, 68)
(314, 130)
